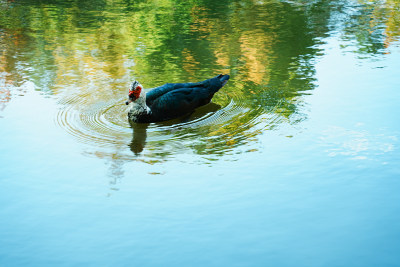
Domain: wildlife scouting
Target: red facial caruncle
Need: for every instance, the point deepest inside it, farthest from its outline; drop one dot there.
(135, 93)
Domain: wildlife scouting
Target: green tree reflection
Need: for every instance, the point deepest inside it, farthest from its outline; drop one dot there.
(91, 50)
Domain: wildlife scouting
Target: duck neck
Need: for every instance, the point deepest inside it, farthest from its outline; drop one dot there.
(139, 106)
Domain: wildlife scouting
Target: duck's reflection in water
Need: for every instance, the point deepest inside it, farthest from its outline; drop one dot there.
(138, 142)
(139, 137)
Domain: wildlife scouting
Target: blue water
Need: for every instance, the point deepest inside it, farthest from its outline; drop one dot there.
(317, 187)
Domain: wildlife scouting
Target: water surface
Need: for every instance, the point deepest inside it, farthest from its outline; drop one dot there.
(294, 163)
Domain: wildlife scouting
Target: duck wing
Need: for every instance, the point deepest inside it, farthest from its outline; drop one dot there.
(157, 92)
(213, 84)
(179, 102)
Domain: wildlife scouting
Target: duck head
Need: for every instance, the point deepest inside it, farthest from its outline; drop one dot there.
(134, 92)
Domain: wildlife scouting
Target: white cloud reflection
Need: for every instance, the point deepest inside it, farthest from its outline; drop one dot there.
(357, 143)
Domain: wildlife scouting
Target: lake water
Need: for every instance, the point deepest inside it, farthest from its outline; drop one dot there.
(295, 163)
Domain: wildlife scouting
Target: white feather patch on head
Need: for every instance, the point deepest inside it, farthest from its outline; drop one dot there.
(134, 85)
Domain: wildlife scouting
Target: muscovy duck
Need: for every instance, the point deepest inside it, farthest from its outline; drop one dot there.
(171, 100)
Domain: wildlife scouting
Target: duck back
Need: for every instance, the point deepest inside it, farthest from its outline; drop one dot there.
(173, 100)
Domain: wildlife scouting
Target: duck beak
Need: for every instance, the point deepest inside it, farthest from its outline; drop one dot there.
(129, 101)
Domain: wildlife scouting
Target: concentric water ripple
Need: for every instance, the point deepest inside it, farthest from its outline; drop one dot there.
(212, 130)
(100, 124)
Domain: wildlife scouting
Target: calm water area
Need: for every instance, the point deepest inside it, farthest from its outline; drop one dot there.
(294, 163)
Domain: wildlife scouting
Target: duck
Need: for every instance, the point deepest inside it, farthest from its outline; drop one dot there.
(171, 100)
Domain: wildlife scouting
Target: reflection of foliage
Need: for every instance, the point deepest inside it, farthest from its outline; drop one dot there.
(169, 41)
(373, 25)
(84, 48)
(393, 21)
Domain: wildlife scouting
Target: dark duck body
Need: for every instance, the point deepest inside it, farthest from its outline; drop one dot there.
(171, 100)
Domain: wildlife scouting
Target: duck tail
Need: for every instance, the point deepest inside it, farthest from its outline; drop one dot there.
(216, 83)
(223, 78)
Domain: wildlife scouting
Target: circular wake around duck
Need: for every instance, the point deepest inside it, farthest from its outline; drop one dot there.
(212, 130)
(101, 124)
